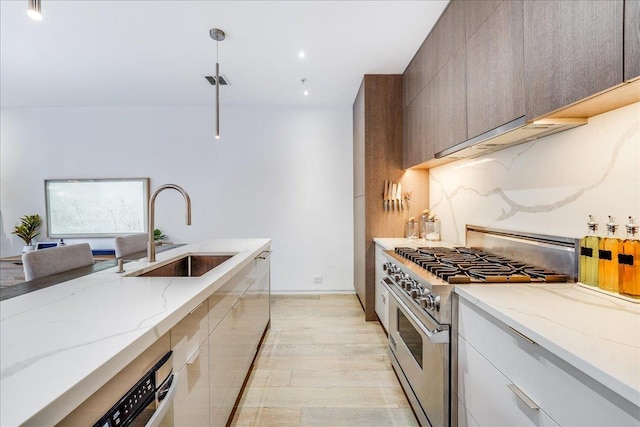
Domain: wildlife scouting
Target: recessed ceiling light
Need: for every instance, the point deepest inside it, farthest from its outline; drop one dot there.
(302, 54)
(306, 93)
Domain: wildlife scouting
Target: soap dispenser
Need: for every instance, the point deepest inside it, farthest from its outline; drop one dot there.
(629, 262)
(608, 259)
(589, 246)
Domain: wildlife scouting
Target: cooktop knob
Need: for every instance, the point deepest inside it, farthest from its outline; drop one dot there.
(436, 303)
(429, 302)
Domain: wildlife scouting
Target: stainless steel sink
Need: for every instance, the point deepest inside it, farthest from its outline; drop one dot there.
(193, 265)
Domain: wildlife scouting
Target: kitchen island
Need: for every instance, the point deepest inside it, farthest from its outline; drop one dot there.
(59, 345)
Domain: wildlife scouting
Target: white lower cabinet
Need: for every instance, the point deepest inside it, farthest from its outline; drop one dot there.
(382, 295)
(191, 403)
(214, 346)
(487, 397)
(500, 368)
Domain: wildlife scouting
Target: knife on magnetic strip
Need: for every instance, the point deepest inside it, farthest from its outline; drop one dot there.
(394, 190)
(386, 194)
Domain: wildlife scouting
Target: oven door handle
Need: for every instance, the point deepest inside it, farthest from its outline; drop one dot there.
(166, 397)
(436, 336)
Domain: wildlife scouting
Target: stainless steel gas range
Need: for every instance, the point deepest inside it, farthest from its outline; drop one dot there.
(423, 313)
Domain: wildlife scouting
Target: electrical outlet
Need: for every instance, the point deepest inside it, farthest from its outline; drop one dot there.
(317, 280)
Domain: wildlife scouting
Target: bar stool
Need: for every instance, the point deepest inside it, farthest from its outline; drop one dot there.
(45, 262)
(127, 245)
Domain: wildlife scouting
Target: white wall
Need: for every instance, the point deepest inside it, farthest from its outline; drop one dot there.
(548, 186)
(278, 172)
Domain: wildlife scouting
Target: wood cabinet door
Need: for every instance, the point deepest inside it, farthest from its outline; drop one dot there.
(415, 147)
(495, 70)
(444, 40)
(414, 78)
(448, 105)
(476, 12)
(572, 50)
(631, 39)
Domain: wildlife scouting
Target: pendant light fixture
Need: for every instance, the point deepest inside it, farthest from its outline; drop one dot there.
(218, 36)
(34, 10)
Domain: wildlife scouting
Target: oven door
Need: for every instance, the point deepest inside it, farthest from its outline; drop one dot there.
(420, 355)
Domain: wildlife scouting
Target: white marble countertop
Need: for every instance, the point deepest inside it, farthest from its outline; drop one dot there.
(596, 333)
(60, 344)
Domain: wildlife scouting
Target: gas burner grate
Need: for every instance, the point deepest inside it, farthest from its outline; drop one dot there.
(470, 265)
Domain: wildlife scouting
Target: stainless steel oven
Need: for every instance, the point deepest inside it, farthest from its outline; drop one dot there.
(420, 353)
(423, 317)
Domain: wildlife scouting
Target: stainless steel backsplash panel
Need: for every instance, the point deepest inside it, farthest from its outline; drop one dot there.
(555, 253)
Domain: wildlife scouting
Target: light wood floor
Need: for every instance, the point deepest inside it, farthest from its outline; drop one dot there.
(321, 364)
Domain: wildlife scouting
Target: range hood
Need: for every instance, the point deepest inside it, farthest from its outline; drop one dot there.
(507, 135)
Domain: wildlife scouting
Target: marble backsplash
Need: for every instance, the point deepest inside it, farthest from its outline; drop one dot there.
(548, 186)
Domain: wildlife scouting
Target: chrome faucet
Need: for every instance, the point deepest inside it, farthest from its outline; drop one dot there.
(151, 245)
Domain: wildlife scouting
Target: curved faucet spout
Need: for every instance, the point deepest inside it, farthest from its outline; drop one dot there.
(151, 245)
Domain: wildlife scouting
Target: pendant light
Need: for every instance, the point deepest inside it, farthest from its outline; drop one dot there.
(218, 36)
(34, 10)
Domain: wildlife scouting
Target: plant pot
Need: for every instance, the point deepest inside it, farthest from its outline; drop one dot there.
(28, 248)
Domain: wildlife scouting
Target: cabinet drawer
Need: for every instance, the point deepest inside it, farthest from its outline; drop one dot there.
(382, 307)
(191, 404)
(569, 396)
(224, 298)
(189, 334)
(485, 394)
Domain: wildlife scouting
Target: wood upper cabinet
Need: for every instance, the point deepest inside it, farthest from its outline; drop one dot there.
(446, 38)
(495, 70)
(448, 104)
(413, 78)
(572, 50)
(476, 12)
(631, 40)
(415, 148)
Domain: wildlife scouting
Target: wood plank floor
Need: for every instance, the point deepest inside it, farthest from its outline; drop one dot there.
(321, 364)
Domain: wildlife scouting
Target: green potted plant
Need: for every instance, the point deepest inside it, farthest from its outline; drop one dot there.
(28, 230)
(157, 234)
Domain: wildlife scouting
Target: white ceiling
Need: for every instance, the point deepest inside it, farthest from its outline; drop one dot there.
(156, 53)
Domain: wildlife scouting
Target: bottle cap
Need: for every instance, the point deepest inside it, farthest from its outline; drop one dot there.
(592, 224)
(611, 226)
(631, 227)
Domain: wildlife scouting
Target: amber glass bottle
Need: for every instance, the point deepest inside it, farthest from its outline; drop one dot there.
(589, 254)
(608, 259)
(629, 262)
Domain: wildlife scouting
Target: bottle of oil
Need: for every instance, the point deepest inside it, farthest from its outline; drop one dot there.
(589, 254)
(608, 255)
(629, 262)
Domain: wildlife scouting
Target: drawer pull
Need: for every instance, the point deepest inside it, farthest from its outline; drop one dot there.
(195, 355)
(526, 399)
(196, 309)
(523, 336)
(264, 254)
